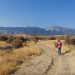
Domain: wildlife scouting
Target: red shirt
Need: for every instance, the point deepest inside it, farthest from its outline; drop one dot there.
(58, 44)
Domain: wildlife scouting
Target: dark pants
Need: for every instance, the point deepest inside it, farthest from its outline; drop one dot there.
(59, 51)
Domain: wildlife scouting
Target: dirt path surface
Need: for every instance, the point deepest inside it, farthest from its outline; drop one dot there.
(38, 64)
(65, 65)
(48, 63)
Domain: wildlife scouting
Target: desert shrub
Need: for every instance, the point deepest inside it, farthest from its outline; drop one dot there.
(35, 39)
(24, 39)
(42, 38)
(10, 39)
(61, 37)
(52, 38)
(16, 43)
(3, 38)
(67, 40)
(72, 41)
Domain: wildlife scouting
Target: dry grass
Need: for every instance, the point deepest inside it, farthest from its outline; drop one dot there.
(2, 43)
(66, 48)
(50, 43)
(9, 60)
(25, 51)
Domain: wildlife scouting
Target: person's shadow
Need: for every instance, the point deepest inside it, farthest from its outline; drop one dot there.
(66, 52)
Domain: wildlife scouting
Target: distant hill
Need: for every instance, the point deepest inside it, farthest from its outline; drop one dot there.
(25, 30)
(52, 30)
(58, 30)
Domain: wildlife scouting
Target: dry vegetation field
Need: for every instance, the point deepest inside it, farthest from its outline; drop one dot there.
(11, 59)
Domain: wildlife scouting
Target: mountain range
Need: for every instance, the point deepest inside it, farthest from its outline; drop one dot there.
(51, 30)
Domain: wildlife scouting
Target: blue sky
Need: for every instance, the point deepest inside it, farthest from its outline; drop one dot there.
(38, 13)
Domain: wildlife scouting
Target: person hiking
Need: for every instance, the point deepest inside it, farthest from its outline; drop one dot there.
(58, 45)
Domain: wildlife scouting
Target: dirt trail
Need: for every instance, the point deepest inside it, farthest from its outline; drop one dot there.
(65, 65)
(37, 65)
(48, 64)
